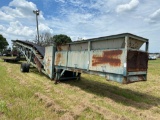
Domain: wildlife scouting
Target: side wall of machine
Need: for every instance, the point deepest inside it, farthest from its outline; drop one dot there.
(111, 57)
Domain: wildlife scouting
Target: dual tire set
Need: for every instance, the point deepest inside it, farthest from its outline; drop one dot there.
(25, 67)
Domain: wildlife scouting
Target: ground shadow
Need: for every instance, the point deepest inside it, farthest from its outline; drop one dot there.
(124, 96)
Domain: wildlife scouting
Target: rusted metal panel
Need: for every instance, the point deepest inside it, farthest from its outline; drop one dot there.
(62, 47)
(134, 43)
(137, 61)
(48, 61)
(107, 61)
(78, 59)
(136, 78)
(38, 64)
(110, 57)
(108, 44)
(61, 58)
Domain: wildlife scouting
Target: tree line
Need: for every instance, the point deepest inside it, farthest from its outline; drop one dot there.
(46, 39)
(3, 43)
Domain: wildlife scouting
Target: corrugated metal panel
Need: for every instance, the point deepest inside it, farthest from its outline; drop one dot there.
(137, 61)
(111, 61)
(78, 59)
(62, 47)
(134, 43)
(48, 61)
(61, 58)
(79, 46)
(108, 44)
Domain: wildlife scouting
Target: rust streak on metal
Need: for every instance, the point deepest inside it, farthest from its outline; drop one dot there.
(58, 58)
(39, 65)
(108, 57)
(59, 48)
(137, 61)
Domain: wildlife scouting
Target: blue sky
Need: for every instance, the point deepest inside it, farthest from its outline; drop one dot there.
(81, 19)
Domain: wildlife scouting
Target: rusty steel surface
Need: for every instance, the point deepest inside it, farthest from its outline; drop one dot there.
(60, 58)
(135, 78)
(110, 61)
(39, 48)
(109, 44)
(108, 57)
(134, 43)
(49, 61)
(79, 46)
(137, 61)
(39, 65)
(62, 47)
(78, 59)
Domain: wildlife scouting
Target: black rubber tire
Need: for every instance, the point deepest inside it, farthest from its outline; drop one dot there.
(27, 67)
(23, 67)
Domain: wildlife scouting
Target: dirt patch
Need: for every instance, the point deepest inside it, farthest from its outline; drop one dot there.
(48, 88)
(1, 113)
(74, 113)
(50, 103)
(79, 109)
(67, 116)
(107, 114)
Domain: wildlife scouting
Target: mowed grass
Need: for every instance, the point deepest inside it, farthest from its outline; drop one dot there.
(33, 96)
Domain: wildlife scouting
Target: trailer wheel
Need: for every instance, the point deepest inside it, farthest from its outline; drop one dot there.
(23, 67)
(27, 67)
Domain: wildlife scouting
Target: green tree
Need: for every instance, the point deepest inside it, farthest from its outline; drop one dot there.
(61, 39)
(3, 42)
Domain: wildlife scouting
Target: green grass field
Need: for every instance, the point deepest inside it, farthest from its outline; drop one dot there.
(33, 96)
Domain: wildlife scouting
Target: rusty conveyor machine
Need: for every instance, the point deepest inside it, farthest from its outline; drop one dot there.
(35, 54)
(116, 57)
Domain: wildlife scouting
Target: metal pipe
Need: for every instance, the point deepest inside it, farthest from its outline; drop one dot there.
(37, 13)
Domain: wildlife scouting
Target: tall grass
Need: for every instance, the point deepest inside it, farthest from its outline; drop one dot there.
(30, 96)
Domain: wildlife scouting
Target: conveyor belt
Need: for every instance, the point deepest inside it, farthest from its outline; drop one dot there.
(39, 48)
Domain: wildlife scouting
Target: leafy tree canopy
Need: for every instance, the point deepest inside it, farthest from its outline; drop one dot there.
(61, 39)
(3, 42)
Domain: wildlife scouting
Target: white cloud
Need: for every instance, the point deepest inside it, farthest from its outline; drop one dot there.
(44, 28)
(2, 28)
(18, 21)
(154, 17)
(17, 28)
(127, 7)
(17, 10)
(63, 1)
(21, 4)
(156, 14)
(6, 17)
